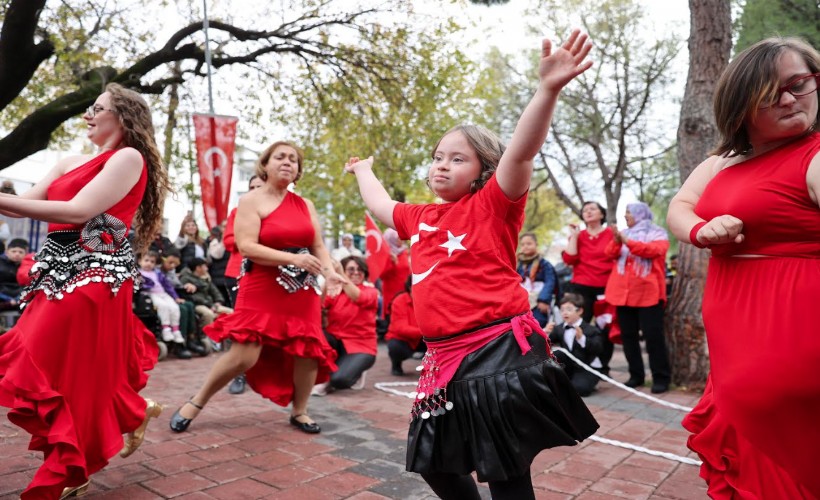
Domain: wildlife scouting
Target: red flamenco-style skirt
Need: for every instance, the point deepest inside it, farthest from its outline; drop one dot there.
(286, 325)
(70, 373)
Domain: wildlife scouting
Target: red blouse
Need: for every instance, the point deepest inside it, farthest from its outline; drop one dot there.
(394, 277)
(229, 240)
(354, 323)
(403, 324)
(590, 266)
(630, 288)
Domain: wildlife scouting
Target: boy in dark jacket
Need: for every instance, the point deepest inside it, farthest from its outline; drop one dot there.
(583, 340)
(206, 298)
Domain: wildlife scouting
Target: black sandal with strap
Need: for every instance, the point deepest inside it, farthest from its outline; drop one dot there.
(180, 423)
(308, 427)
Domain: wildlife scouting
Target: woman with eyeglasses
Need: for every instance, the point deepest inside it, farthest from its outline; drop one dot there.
(72, 367)
(351, 327)
(276, 327)
(754, 204)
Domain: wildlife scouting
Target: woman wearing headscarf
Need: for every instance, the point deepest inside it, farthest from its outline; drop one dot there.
(637, 287)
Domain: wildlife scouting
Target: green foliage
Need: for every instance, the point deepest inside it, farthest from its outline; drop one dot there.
(764, 18)
(397, 118)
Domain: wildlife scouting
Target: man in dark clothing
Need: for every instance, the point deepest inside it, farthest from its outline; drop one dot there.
(9, 264)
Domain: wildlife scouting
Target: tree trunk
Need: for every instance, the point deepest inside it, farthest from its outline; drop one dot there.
(710, 42)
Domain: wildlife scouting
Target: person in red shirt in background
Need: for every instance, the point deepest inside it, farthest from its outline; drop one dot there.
(637, 286)
(404, 335)
(397, 270)
(351, 327)
(232, 269)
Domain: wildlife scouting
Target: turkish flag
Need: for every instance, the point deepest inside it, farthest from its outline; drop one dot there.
(215, 142)
(377, 252)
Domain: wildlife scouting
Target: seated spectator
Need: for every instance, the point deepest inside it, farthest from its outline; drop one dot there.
(346, 250)
(403, 335)
(189, 242)
(187, 316)
(161, 244)
(165, 301)
(9, 265)
(583, 340)
(351, 327)
(538, 277)
(206, 298)
(217, 261)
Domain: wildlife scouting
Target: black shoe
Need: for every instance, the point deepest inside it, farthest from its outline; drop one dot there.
(397, 372)
(196, 348)
(181, 352)
(634, 382)
(237, 385)
(180, 423)
(658, 388)
(310, 428)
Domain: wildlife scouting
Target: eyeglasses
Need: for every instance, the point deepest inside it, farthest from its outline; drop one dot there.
(798, 87)
(351, 270)
(92, 111)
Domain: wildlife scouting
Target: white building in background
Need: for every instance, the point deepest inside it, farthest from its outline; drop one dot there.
(27, 172)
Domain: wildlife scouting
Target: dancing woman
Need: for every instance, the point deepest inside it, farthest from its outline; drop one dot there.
(72, 366)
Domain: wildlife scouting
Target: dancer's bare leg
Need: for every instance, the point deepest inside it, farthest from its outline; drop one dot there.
(304, 377)
(237, 360)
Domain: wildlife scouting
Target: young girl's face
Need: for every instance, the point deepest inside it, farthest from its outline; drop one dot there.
(170, 263)
(528, 246)
(147, 263)
(455, 166)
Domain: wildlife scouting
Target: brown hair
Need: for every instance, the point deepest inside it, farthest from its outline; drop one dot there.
(750, 80)
(266, 154)
(198, 238)
(488, 147)
(572, 298)
(359, 262)
(138, 133)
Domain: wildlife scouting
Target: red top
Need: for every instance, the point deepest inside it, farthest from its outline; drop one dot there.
(630, 288)
(229, 240)
(590, 266)
(403, 324)
(464, 262)
(394, 276)
(782, 220)
(354, 323)
(68, 185)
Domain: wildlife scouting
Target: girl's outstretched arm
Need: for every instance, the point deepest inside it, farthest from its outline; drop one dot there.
(375, 197)
(556, 69)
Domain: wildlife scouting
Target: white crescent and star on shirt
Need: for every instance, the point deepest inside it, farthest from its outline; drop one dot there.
(452, 244)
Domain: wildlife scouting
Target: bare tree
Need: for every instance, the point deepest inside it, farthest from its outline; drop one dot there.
(710, 43)
(307, 38)
(604, 124)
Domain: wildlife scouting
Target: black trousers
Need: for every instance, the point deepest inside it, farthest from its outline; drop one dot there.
(583, 381)
(649, 320)
(456, 487)
(399, 350)
(351, 366)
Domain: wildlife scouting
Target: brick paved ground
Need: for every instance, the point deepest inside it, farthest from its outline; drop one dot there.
(242, 447)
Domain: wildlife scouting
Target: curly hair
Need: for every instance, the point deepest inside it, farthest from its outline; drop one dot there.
(138, 133)
(750, 80)
(488, 147)
(266, 154)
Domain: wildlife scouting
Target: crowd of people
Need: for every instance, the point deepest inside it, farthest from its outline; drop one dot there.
(296, 319)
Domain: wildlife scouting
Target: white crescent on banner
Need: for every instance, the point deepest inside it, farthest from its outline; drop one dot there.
(215, 150)
(376, 235)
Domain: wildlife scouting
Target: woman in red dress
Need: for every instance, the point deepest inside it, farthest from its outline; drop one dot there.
(72, 366)
(276, 327)
(755, 204)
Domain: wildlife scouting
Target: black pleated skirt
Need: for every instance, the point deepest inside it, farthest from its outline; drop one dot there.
(507, 408)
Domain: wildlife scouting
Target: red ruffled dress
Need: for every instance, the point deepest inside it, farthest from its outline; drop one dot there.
(287, 325)
(756, 427)
(72, 366)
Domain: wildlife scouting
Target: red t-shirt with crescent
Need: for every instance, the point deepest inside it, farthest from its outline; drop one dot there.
(354, 323)
(463, 260)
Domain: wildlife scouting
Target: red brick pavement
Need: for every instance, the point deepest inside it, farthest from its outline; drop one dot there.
(242, 447)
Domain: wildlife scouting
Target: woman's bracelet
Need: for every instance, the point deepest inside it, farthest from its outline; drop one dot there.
(693, 235)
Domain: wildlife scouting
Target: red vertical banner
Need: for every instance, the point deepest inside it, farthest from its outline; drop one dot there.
(215, 144)
(377, 251)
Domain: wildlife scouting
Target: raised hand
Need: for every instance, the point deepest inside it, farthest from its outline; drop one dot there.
(559, 67)
(334, 283)
(354, 162)
(721, 229)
